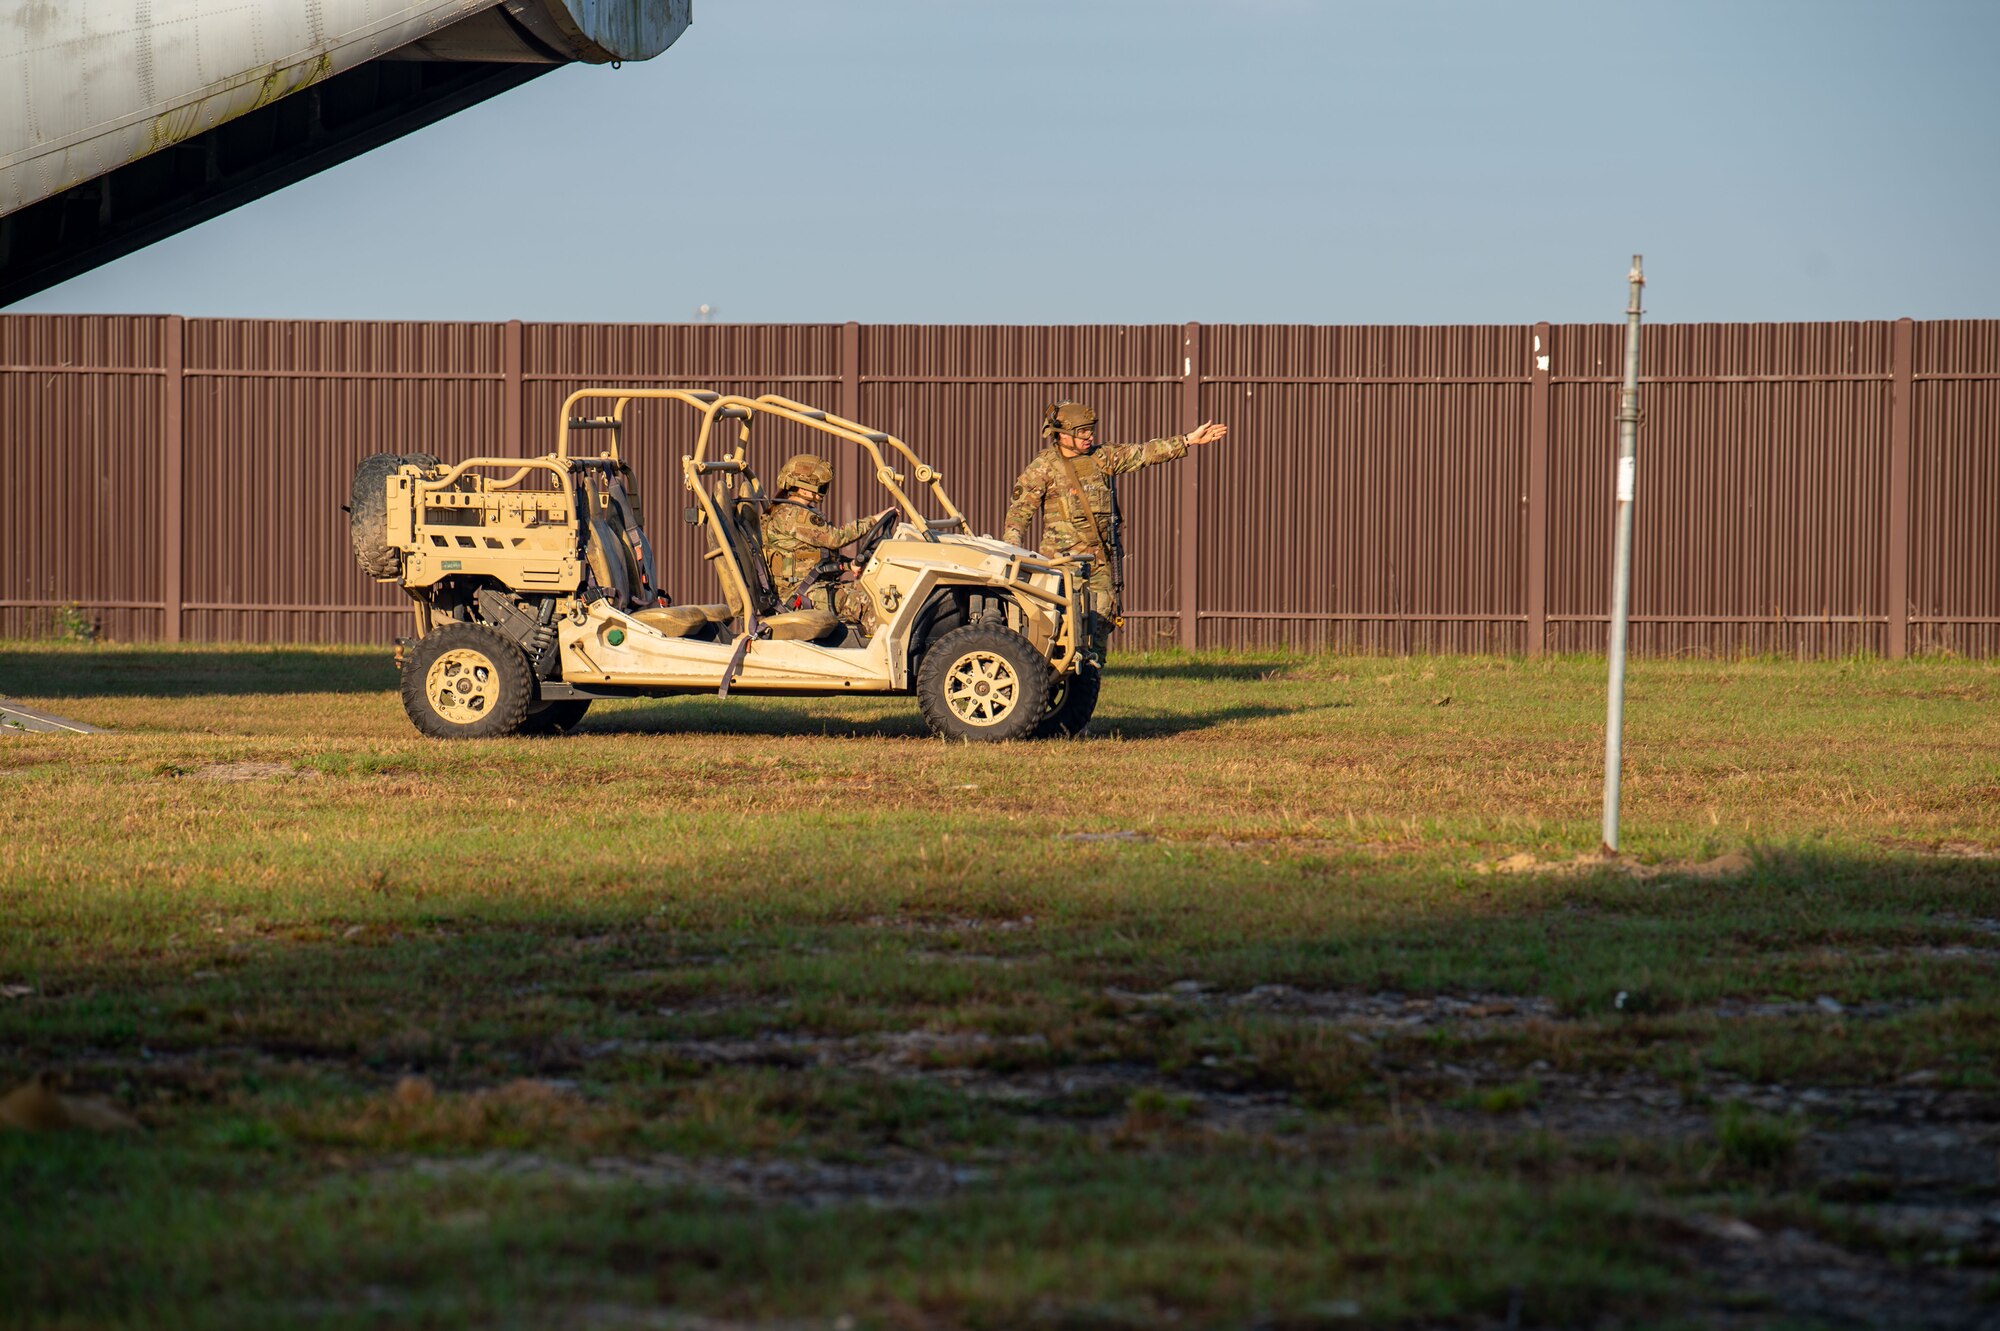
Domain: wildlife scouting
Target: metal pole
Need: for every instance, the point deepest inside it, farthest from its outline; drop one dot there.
(1621, 576)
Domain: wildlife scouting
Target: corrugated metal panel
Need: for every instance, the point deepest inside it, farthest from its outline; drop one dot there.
(80, 473)
(1376, 491)
(94, 342)
(1371, 493)
(1955, 489)
(1762, 488)
(277, 414)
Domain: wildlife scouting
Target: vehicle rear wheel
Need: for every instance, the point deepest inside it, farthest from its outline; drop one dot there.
(466, 681)
(1072, 699)
(983, 683)
(555, 718)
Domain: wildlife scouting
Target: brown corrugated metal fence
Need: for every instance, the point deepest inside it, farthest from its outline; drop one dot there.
(1803, 488)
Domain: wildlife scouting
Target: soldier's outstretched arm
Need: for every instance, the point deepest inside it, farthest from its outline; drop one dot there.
(1116, 459)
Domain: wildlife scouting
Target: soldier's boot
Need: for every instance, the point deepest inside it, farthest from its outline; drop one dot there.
(1100, 637)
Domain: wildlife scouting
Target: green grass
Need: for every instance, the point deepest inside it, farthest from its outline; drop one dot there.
(779, 1012)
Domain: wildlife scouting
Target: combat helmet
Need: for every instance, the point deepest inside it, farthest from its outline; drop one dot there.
(1066, 418)
(806, 471)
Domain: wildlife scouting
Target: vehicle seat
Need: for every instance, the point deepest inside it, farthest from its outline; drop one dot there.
(681, 621)
(745, 533)
(616, 547)
(804, 626)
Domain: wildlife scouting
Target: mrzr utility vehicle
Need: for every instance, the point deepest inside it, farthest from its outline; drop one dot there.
(537, 590)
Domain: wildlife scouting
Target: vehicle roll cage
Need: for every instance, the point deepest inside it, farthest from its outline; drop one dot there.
(715, 508)
(719, 406)
(716, 407)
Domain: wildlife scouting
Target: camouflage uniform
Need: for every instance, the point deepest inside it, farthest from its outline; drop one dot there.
(795, 539)
(1041, 490)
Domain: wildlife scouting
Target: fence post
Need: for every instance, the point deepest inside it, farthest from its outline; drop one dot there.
(850, 370)
(1902, 408)
(1536, 573)
(511, 403)
(1190, 523)
(172, 490)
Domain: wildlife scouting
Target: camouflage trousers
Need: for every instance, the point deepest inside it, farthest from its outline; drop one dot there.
(1104, 598)
(845, 599)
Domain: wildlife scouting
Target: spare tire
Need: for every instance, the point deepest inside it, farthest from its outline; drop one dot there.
(368, 512)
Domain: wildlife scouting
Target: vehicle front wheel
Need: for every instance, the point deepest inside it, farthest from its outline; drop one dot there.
(983, 683)
(466, 681)
(1072, 699)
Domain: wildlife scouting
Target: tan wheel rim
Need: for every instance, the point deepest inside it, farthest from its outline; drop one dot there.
(981, 688)
(462, 685)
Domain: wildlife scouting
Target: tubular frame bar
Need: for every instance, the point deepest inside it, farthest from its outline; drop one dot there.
(858, 433)
(522, 466)
(712, 404)
(713, 407)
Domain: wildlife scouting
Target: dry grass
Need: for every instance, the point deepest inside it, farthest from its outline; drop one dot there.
(771, 1010)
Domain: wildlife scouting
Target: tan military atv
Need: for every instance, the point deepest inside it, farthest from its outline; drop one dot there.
(537, 592)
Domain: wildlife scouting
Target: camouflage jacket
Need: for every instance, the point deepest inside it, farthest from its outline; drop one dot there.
(1040, 487)
(794, 539)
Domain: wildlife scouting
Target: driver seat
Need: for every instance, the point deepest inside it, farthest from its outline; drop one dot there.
(745, 534)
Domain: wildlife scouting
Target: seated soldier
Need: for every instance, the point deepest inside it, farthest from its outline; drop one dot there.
(797, 539)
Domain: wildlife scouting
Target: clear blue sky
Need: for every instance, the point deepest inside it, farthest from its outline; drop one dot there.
(1058, 161)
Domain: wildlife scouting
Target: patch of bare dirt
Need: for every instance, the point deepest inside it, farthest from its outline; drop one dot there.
(1823, 955)
(1947, 850)
(951, 925)
(890, 1179)
(1383, 1010)
(248, 771)
(36, 1106)
(1727, 865)
(1742, 1009)
(1803, 1276)
(964, 958)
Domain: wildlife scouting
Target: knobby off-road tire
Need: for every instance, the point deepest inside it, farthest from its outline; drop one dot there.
(466, 681)
(983, 683)
(555, 718)
(1072, 699)
(368, 512)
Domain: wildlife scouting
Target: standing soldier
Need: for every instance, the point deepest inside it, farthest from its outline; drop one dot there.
(1070, 484)
(797, 539)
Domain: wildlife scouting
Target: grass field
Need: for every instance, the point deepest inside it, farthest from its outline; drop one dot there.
(1284, 1000)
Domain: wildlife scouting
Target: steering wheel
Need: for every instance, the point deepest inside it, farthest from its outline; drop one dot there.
(875, 535)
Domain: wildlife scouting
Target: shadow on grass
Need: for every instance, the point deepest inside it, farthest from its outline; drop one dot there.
(323, 975)
(40, 671)
(711, 716)
(1161, 725)
(708, 715)
(1216, 671)
(120, 672)
(268, 1064)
